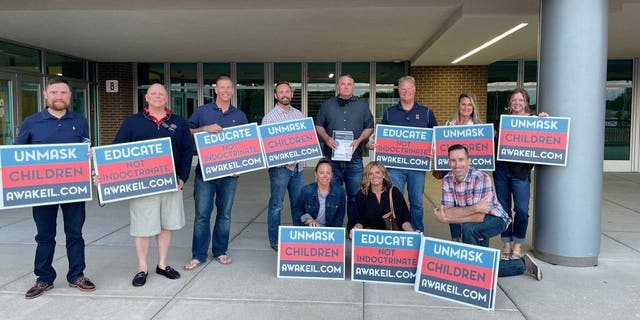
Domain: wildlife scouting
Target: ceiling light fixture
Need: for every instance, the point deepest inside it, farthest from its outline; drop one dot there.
(490, 42)
(331, 75)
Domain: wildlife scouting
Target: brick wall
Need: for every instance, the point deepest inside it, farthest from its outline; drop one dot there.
(439, 87)
(114, 107)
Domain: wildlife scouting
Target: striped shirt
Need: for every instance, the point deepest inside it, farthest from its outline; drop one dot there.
(280, 115)
(475, 186)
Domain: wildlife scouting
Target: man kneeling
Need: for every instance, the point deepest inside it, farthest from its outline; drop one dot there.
(468, 198)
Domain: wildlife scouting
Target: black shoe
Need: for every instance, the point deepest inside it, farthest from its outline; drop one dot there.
(168, 272)
(139, 279)
(275, 248)
(38, 289)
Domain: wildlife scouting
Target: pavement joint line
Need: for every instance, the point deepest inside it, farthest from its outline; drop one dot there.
(267, 300)
(620, 205)
(79, 294)
(435, 306)
(64, 255)
(620, 242)
(204, 264)
(16, 222)
(506, 293)
(623, 177)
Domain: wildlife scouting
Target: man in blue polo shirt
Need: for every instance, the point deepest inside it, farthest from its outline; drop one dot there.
(407, 112)
(345, 112)
(213, 117)
(57, 124)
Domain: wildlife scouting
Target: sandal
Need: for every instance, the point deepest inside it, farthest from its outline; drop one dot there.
(191, 265)
(505, 253)
(516, 253)
(224, 259)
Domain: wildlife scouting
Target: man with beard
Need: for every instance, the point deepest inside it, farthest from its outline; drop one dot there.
(57, 124)
(288, 177)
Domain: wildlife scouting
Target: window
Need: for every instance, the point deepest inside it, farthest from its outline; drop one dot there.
(59, 65)
(19, 58)
(291, 72)
(502, 78)
(250, 90)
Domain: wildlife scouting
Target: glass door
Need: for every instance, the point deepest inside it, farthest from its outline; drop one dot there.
(29, 99)
(6, 108)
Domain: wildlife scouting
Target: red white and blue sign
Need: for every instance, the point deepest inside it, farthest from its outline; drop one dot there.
(478, 138)
(234, 150)
(290, 141)
(35, 175)
(385, 256)
(135, 169)
(311, 253)
(530, 139)
(403, 147)
(458, 272)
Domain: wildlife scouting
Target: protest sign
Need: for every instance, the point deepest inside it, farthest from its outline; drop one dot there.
(44, 174)
(385, 256)
(403, 147)
(135, 169)
(290, 141)
(477, 138)
(537, 140)
(308, 252)
(234, 150)
(458, 272)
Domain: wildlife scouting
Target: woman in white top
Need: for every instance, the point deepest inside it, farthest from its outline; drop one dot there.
(466, 114)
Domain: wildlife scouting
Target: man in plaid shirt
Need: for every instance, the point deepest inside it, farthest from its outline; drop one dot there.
(468, 198)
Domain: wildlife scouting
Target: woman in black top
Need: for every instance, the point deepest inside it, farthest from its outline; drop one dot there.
(372, 201)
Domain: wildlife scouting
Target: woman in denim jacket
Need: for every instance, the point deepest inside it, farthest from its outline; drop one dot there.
(320, 204)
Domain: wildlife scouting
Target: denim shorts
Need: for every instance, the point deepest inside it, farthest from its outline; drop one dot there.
(151, 214)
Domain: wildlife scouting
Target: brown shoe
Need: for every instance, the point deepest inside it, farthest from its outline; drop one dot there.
(84, 284)
(38, 289)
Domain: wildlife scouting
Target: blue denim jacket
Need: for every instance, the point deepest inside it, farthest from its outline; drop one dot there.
(308, 203)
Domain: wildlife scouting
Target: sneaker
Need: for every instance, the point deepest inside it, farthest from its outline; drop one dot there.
(38, 289)
(531, 268)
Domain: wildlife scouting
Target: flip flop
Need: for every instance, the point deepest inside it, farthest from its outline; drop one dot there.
(224, 259)
(191, 265)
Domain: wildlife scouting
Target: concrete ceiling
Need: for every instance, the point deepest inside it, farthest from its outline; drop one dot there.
(426, 32)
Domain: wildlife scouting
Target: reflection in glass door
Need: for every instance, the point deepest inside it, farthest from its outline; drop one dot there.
(6, 111)
(183, 101)
(79, 100)
(30, 94)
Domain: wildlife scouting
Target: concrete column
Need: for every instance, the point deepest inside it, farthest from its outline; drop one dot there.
(572, 62)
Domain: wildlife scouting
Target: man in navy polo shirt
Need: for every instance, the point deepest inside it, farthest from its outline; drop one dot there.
(212, 117)
(57, 124)
(408, 113)
(346, 112)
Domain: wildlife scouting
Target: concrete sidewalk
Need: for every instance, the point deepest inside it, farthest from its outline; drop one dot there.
(249, 289)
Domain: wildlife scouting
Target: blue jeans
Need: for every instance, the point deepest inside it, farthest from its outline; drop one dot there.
(480, 233)
(506, 185)
(224, 191)
(282, 180)
(349, 173)
(455, 230)
(73, 215)
(415, 187)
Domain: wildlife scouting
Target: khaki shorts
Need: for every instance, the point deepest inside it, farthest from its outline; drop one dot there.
(150, 214)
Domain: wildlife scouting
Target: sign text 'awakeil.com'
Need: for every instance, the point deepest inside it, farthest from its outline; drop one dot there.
(44, 174)
(385, 256)
(308, 252)
(458, 272)
(233, 150)
(135, 169)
